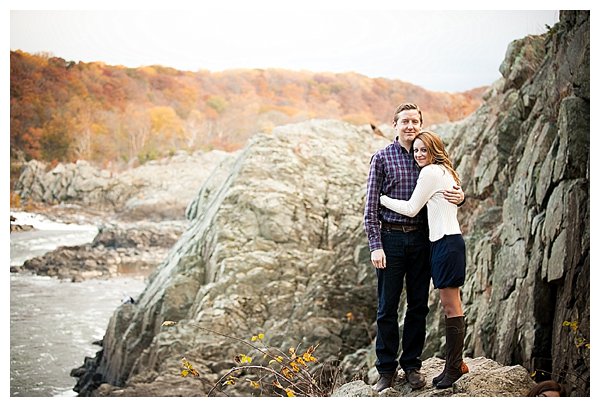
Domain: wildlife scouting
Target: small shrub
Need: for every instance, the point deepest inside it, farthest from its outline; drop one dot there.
(295, 373)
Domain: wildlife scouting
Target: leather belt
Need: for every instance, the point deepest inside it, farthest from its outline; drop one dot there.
(402, 228)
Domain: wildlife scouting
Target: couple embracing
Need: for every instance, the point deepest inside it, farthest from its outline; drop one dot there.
(411, 222)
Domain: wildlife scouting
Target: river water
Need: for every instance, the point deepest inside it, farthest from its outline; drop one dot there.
(46, 235)
(53, 323)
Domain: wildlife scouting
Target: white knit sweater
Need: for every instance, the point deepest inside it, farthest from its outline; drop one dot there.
(441, 214)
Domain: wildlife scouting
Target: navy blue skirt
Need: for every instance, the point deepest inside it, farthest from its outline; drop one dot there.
(448, 261)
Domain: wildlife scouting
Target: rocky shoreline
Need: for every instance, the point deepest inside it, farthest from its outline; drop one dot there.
(118, 248)
(140, 213)
(18, 228)
(156, 191)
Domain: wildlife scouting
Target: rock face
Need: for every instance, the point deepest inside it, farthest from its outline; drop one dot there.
(157, 191)
(524, 160)
(276, 244)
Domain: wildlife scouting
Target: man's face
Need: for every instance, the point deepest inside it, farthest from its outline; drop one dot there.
(407, 127)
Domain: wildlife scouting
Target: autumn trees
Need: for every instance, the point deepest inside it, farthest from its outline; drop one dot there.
(63, 111)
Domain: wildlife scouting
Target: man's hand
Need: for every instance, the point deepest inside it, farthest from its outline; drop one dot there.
(455, 195)
(378, 258)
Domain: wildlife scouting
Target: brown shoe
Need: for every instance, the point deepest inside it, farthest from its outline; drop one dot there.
(415, 378)
(385, 380)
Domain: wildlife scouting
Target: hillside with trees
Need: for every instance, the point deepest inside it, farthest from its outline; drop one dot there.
(118, 117)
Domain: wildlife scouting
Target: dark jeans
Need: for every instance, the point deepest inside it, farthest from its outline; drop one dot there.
(407, 257)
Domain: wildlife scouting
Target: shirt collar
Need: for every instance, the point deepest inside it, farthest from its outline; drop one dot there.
(399, 146)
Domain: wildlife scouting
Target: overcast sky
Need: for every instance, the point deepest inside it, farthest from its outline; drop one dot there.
(439, 50)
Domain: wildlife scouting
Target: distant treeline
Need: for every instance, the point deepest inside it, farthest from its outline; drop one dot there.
(63, 111)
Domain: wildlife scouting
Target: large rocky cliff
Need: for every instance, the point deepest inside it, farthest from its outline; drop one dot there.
(524, 157)
(275, 246)
(276, 242)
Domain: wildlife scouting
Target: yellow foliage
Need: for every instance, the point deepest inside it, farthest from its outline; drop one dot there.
(242, 358)
(573, 324)
(15, 200)
(308, 357)
(287, 373)
(188, 368)
(580, 341)
(147, 70)
(293, 369)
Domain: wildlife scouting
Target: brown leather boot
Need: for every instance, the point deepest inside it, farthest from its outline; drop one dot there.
(385, 380)
(455, 339)
(439, 377)
(463, 368)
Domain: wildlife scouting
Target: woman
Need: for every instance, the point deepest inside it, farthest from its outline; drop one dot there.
(447, 247)
(547, 388)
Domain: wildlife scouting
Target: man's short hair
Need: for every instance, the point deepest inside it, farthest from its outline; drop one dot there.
(407, 106)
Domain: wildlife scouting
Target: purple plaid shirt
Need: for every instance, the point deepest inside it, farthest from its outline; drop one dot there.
(394, 173)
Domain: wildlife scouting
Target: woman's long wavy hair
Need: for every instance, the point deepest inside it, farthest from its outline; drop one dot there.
(437, 152)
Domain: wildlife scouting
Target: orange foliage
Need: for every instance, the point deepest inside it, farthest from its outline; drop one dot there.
(62, 110)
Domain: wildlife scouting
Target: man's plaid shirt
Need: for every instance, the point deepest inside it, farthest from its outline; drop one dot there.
(394, 173)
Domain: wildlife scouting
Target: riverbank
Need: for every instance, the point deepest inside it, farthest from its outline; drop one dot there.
(77, 245)
(35, 234)
(56, 321)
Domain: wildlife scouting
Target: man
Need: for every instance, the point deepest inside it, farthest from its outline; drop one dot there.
(399, 248)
